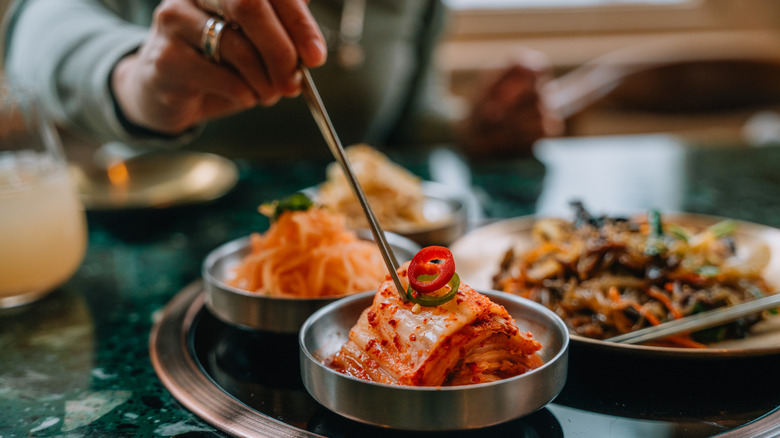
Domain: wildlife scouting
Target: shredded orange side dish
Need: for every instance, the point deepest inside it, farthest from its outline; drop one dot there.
(309, 254)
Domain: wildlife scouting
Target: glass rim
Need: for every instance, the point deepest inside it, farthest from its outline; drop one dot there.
(20, 98)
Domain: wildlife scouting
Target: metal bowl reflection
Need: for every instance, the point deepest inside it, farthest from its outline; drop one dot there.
(252, 311)
(432, 408)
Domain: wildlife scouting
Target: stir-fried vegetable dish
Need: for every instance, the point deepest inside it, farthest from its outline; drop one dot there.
(606, 276)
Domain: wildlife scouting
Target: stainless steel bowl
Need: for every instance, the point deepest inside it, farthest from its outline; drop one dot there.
(446, 211)
(444, 208)
(432, 408)
(252, 311)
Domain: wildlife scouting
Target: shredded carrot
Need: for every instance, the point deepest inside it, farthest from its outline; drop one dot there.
(652, 319)
(683, 341)
(309, 254)
(614, 294)
(662, 297)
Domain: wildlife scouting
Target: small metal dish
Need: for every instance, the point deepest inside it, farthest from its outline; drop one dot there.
(156, 180)
(444, 209)
(248, 310)
(447, 214)
(432, 408)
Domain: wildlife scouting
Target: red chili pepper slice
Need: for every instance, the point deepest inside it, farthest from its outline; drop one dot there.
(422, 265)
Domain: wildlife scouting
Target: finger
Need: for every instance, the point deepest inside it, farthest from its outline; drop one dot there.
(216, 79)
(259, 22)
(181, 19)
(267, 32)
(239, 53)
(304, 31)
(181, 67)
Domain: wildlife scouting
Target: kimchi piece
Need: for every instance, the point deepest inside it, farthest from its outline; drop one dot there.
(467, 340)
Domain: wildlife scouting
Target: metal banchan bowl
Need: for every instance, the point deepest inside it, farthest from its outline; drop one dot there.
(251, 311)
(432, 408)
(444, 207)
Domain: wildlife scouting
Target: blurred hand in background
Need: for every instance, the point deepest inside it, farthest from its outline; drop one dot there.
(511, 111)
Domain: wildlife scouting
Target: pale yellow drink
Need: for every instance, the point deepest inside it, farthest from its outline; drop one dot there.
(42, 227)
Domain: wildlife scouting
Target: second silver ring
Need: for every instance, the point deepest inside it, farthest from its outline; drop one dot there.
(212, 36)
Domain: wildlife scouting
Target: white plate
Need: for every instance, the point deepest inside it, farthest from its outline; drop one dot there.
(478, 255)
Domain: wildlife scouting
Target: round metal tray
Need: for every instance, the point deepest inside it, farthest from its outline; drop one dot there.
(246, 383)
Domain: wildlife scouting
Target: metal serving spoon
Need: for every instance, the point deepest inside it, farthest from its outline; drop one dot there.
(699, 321)
(314, 101)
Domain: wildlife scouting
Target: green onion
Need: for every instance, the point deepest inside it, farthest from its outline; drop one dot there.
(708, 271)
(656, 226)
(429, 301)
(295, 202)
(655, 244)
(679, 232)
(723, 228)
(710, 335)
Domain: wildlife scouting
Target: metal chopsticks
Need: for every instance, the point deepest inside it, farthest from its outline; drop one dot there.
(699, 321)
(314, 101)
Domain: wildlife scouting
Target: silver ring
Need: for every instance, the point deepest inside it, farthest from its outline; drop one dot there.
(214, 6)
(212, 35)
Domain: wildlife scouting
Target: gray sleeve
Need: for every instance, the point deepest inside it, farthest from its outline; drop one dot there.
(66, 51)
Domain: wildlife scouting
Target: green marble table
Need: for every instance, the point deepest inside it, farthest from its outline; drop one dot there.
(77, 364)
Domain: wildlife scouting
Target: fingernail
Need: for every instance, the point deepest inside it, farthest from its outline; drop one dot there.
(318, 51)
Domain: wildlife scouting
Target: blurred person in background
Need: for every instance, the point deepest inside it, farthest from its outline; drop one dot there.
(222, 75)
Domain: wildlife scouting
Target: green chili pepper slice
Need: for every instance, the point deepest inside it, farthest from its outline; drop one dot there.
(431, 301)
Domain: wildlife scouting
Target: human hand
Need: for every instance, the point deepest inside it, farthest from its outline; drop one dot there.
(511, 112)
(168, 85)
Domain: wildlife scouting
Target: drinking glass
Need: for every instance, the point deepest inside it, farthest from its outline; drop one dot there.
(43, 232)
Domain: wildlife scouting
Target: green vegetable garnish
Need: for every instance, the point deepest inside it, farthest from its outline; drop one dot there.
(295, 202)
(656, 226)
(679, 232)
(431, 301)
(708, 271)
(723, 228)
(655, 244)
(710, 335)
